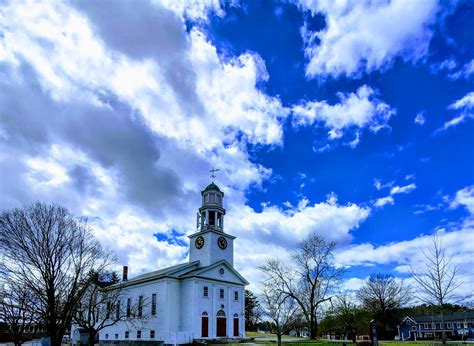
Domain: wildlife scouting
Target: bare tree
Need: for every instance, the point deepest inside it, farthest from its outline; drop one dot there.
(49, 252)
(280, 309)
(104, 304)
(309, 280)
(20, 320)
(382, 295)
(437, 279)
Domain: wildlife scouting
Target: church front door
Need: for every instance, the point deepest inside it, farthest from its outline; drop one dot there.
(221, 326)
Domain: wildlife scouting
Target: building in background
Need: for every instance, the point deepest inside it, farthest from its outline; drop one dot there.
(457, 326)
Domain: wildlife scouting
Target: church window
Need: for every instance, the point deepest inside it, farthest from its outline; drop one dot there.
(221, 293)
(236, 295)
(153, 304)
(220, 313)
(127, 334)
(106, 336)
(140, 306)
(117, 310)
(129, 306)
(152, 334)
(116, 336)
(205, 291)
(139, 334)
(212, 198)
(207, 198)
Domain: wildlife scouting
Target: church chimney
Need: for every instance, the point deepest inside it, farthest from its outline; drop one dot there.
(125, 273)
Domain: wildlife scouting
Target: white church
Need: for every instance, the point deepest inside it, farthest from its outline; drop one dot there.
(201, 299)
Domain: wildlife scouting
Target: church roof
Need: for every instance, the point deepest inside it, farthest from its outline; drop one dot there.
(180, 271)
(212, 186)
(174, 271)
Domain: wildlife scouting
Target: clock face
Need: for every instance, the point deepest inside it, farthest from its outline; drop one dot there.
(199, 243)
(222, 242)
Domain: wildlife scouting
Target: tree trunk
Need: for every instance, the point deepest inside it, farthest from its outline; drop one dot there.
(313, 327)
(92, 334)
(443, 332)
(56, 340)
(279, 339)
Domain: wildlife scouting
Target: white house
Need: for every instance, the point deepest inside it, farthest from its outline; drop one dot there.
(201, 299)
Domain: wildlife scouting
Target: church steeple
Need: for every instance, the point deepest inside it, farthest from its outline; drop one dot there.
(209, 244)
(211, 213)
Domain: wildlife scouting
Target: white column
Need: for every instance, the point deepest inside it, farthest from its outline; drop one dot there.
(207, 217)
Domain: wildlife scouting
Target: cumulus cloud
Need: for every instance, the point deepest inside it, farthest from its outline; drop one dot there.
(355, 111)
(464, 197)
(357, 38)
(289, 226)
(123, 128)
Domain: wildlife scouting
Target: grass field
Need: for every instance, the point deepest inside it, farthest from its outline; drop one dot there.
(306, 342)
(266, 335)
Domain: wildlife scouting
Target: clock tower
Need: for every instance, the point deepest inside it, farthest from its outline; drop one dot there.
(210, 244)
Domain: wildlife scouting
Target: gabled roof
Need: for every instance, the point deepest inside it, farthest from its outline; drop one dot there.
(457, 316)
(454, 317)
(200, 271)
(174, 272)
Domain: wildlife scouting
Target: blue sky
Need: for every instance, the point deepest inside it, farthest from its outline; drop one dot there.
(354, 120)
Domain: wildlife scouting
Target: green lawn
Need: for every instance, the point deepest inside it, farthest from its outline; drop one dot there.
(265, 335)
(306, 342)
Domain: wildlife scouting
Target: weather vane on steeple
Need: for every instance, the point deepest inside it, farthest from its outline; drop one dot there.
(213, 171)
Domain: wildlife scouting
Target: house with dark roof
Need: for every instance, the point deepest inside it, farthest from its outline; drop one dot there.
(457, 326)
(201, 299)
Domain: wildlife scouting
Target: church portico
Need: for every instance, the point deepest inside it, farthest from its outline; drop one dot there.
(201, 299)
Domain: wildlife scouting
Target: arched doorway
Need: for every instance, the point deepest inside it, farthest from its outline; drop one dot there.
(204, 325)
(221, 324)
(236, 325)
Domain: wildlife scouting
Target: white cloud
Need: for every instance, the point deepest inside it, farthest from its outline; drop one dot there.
(465, 72)
(465, 105)
(389, 200)
(118, 132)
(357, 38)
(464, 197)
(420, 118)
(355, 110)
(286, 227)
(467, 102)
(402, 189)
(384, 201)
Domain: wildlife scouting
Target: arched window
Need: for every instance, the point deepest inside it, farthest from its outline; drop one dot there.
(220, 313)
(204, 313)
(236, 315)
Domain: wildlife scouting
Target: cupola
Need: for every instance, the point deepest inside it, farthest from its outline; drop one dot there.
(211, 213)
